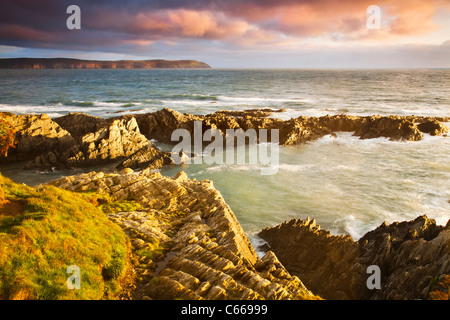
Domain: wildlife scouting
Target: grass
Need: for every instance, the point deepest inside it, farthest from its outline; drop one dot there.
(57, 229)
(109, 204)
(443, 290)
(152, 250)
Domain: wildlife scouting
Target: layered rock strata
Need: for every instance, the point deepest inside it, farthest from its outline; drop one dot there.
(187, 242)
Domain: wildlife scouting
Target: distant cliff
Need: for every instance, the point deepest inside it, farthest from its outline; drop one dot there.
(66, 63)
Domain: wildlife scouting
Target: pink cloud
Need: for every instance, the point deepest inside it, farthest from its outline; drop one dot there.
(251, 22)
(236, 22)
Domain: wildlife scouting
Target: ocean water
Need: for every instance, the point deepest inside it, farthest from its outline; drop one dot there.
(350, 186)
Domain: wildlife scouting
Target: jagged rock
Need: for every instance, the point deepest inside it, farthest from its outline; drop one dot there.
(409, 254)
(80, 124)
(160, 125)
(47, 145)
(392, 127)
(321, 260)
(297, 131)
(118, 139)
(340, 122)
(147, 156)
(204, 252)
(37, 135)
(79, 140)
(433, 127)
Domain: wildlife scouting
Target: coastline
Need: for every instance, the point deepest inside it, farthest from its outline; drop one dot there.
(190, 219)
(68, 63)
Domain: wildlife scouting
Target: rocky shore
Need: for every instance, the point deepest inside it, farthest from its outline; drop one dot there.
(188, 244)
(412, 255)
(80, 140)
(186, 241)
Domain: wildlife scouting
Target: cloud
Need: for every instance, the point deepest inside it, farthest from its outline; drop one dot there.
(184, 23)
(139, 26)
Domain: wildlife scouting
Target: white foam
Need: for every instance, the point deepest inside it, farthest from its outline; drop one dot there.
(296, 167)
(51, 109)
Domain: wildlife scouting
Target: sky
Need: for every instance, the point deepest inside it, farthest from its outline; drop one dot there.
(234, 33)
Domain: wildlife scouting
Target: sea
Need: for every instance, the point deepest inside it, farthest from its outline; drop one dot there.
(350, 186)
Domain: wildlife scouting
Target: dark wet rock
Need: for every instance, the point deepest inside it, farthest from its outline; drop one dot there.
(433, 127)
(409, 254)
(325, 263)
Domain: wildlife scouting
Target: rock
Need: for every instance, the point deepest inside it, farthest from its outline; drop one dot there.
(340, 122)
(432, 127)
(47, 145)
(80, 124)
(409, 254)
(321, 260)
(139, 243)
(300, 130)
(118, 139)
(79, 140)
(188, 242)
(36, 135)
(260, 113)
(160, 125)
(147, 156)
(392, 127)
(125, 171)
(51, 160)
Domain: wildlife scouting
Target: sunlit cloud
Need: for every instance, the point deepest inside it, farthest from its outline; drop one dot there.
(279, 27)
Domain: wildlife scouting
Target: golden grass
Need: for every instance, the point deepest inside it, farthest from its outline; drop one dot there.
(56, 229)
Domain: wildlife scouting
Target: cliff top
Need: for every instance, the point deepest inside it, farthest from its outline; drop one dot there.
(70, 63)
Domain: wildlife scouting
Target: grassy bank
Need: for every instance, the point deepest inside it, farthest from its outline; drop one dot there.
(44, 231)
